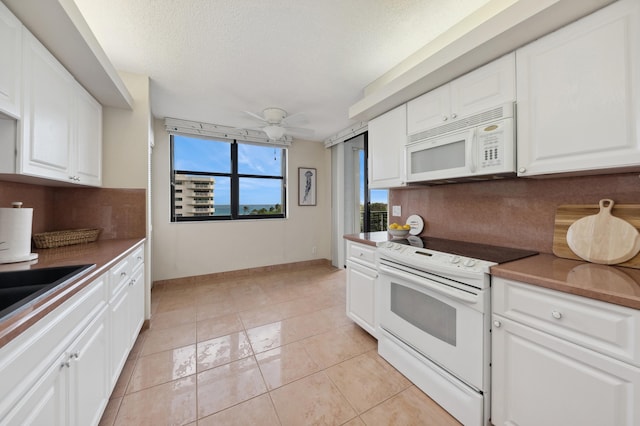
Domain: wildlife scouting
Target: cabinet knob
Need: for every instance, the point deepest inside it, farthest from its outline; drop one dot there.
(556, 314)
(454, 115)
(522, 170)
(445, 118)
(497, 324)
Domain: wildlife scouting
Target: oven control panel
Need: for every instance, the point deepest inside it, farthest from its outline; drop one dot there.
(426, 259)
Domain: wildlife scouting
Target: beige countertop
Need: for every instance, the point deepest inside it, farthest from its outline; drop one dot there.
(104, 253)
(600, 282)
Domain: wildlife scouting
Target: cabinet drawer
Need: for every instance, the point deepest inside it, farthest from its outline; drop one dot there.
(603, 327)
(119, 276)
(361, 253)
(137, 258)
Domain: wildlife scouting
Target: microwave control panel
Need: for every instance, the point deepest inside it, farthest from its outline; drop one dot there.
(491, 145)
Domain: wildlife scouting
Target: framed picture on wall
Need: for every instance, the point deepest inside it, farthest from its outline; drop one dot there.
(307, 186)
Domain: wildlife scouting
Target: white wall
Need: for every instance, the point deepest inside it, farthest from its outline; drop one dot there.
(199, 248)
(126, 138)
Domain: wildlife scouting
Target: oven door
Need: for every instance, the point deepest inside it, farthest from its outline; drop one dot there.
(444, 323)
(443, 157)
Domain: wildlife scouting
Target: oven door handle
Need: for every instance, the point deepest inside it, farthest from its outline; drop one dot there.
(460, 295)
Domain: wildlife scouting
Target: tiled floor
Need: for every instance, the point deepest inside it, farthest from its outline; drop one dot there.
(275, 348)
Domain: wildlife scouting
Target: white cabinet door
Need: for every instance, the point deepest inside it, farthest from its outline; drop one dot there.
(579, 95)
(429, 110)
(10, 63)
(87, 138)
(89, 373)
(46, 125)
(119, 331)
(487, 87)
(387, 137)
(361, 301)
(46, 401)
(136, 304)
(538, 379)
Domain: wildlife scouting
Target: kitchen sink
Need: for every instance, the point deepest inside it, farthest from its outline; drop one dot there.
(18, 289)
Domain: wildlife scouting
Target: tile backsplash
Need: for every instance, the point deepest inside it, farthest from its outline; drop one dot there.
(512, 212)
(120, 213)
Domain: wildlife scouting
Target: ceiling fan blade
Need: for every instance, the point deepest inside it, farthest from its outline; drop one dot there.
(300, 131)
(297, 118)
(256, 116)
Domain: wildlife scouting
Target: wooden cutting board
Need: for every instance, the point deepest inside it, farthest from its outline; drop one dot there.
(566, 215)
(603, 238)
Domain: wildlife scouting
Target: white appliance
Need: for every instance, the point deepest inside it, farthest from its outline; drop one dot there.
(435, 319)
(478, 147)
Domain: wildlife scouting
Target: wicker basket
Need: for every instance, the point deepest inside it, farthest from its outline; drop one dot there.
(65, 238)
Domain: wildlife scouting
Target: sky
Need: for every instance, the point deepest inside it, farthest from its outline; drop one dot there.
(194, 155)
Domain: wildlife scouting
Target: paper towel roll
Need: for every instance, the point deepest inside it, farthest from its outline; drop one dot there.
(15, 235)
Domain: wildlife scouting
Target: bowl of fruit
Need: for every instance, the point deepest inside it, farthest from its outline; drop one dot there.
(399, 231)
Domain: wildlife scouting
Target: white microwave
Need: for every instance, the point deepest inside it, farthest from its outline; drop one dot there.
(478, 147)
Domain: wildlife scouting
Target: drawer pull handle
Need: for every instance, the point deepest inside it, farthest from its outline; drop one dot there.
(361, 254)
(556, 314)
(66, 364)
(497, 324)
(123, 274)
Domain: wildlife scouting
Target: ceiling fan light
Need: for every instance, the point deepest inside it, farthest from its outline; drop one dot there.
(274, 132)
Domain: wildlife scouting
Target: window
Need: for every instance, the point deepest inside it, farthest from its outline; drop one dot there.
(226, 179)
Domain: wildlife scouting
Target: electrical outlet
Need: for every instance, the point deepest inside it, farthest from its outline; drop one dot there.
(396, 211)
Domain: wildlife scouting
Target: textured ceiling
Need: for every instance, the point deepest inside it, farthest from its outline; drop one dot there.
(210, 60)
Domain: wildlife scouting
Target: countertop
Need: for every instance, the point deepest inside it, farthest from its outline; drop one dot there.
(600, 282)
(611, 284)
(105, 254)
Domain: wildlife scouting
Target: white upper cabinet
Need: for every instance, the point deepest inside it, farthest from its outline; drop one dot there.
(386, 158)
(486, 87)
(46, 127)
(60, 134)
(87, 138)
(10, 62)
(579, 95)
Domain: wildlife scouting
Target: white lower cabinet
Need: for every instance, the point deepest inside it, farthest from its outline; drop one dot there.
(126, 306)
(74, 389)
(541, 376)
(361, 286)
(89, 373)
(61, 371)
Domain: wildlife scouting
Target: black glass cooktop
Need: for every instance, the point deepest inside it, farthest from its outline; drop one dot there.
(474, 250)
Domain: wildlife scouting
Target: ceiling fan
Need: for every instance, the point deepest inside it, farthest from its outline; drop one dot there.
(277, 123)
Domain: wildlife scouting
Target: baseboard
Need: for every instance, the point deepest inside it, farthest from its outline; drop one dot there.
(242, 273)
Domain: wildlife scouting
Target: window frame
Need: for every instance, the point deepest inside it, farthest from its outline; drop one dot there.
(234, 182)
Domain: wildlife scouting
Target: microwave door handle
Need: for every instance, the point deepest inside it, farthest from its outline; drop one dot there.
(471, 151)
